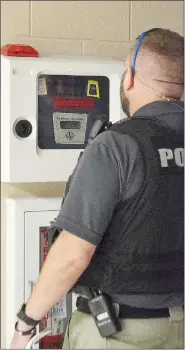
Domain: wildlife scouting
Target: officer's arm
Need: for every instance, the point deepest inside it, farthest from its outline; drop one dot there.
(86, 213)
(67, 259)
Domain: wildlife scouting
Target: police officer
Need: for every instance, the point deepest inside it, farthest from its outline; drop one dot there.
(122, 218)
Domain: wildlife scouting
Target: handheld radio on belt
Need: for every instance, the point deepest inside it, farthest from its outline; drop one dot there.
(104, 315)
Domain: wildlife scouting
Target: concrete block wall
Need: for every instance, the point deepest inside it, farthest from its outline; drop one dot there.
(93, 28)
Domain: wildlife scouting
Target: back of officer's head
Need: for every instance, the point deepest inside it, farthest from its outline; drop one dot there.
(158, 70)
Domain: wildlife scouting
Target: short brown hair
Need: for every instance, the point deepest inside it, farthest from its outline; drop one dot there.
(164, 42)
(167, 44)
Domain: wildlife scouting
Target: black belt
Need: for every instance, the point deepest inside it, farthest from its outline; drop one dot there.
(126, 311)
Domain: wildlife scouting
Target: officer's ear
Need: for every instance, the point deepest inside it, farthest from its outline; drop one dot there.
(129, 80)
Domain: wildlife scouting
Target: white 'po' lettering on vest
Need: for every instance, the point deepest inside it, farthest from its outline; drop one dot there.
(167, 154)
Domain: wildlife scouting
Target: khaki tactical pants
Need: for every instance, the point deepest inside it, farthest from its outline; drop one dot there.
(158, 333)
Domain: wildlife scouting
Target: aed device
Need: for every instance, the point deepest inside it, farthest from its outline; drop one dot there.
(48, 107)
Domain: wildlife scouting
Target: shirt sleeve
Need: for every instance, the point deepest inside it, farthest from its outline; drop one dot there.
(93, 194)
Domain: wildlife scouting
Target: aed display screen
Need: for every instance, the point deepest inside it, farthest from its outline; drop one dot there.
(70, 124)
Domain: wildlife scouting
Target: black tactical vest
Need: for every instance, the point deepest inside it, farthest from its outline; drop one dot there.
(146, 253)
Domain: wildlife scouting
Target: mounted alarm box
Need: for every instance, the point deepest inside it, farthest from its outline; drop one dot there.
(48, 106)
(28, 220)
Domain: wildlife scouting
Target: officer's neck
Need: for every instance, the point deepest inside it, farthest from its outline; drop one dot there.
(134, 107)
(146, 95)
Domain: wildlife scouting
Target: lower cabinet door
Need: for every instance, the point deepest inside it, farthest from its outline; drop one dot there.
(36, 250)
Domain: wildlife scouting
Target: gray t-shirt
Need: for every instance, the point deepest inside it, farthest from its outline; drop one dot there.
(108, 172)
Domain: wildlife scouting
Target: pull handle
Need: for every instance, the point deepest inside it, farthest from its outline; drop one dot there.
(32, 285)
(32, 344)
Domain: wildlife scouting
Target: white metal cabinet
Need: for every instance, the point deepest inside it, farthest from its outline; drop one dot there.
(23, 160)
(24, 219)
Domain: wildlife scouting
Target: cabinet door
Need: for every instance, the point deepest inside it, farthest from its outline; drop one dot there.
(36, 249)
(34, 223)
